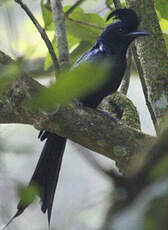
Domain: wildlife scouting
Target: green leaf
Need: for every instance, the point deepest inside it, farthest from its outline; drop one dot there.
(8, 74)
(166, 39)
(156, 213)
(78, 83)
(72, 41)
(162, 8)
(110, 2)
(164, 27)
(79, 14)
(28, 194)
(47, 17)
(160, 169)
(84, 32)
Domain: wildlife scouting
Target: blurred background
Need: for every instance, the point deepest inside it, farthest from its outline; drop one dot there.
(83, 194)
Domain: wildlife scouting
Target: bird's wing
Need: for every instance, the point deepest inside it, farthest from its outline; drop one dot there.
(92, 55)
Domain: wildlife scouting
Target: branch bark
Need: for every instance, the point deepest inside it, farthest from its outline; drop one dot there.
(134, 186)
(153, 63)
(117, 3)
(126, 80)
(60, 31)
(88, 127)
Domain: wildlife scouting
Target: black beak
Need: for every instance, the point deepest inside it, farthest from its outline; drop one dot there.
(138, 33)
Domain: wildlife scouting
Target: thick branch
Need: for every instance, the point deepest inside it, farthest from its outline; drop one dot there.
(87, 127)
(144, 87)
(154, 64)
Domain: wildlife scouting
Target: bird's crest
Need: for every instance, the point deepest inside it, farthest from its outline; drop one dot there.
(127, 16)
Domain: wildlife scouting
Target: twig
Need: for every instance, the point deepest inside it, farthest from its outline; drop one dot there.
(85, 23)
(126, 79)
(5, 59)
(85, 153)
(43, 34)
(60, 31)
(72, 8)
(145, 91)
(68, 12)
(117, 3)
(108, 5)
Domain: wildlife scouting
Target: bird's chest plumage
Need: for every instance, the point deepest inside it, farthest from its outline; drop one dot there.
(116, 73)
(116, 69)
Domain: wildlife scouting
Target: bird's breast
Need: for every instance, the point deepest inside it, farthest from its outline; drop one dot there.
(114, 77)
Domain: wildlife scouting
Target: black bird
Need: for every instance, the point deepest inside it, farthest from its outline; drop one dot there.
(112, 43)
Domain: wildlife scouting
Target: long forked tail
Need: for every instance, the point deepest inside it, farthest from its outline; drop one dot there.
(46, 172)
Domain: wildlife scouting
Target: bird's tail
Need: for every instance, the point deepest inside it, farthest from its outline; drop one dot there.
(46, 172)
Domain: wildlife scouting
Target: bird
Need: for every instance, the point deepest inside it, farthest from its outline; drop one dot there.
(112, 44)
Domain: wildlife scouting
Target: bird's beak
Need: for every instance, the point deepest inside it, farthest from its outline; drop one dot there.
(138, 33)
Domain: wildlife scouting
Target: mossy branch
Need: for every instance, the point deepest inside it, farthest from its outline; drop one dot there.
(88, 127)
(154, 64)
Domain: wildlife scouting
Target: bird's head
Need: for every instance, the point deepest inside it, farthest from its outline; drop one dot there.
(122, 32)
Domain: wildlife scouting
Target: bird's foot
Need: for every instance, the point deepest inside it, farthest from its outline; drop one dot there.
(108, 115)
(78, 103)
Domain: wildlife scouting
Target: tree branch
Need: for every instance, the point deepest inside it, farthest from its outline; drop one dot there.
(144, 87)
(42, 32)
(139, 62)
(60, 31)
(126, 80)
(68, 12)
(73, 7)
(108, 5)
(88, 127)
(117, 3)
(154, 64)
(134, 186)
(85, 23)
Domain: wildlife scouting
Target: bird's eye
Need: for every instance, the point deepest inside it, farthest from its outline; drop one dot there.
(121, 30)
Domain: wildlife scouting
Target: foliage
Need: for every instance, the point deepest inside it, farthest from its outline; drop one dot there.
(69, 86)
(162, 10)
(8, 75)
(80, 36)
(28, 195)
